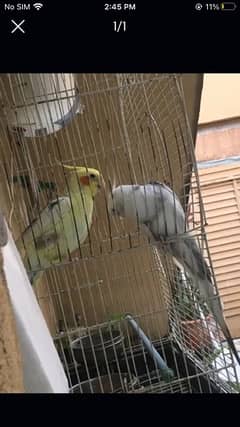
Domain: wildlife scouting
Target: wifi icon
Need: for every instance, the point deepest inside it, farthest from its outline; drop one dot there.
(38, 6)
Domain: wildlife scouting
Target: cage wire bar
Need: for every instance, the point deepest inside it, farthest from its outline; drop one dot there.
(133, 128)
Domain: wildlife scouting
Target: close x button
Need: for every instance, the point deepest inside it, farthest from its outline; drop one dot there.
(17, 26)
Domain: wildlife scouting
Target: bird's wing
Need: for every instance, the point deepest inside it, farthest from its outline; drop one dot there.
(49, 225)
(169, 217)
(185, 247)
(167, 190)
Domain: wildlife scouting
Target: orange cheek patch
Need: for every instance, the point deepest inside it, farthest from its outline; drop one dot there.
(85, 180)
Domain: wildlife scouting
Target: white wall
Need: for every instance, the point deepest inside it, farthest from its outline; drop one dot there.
(43, 371)
(220, 97)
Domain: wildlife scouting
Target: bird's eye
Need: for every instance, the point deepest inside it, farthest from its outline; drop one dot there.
(92, 175)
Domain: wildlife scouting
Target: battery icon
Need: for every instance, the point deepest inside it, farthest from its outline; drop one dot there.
(228, 6)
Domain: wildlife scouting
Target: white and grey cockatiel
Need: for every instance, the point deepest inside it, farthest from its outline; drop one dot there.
(63, 225)
(157, 209)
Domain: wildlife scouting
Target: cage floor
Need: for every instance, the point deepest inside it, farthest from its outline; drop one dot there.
(132, 370)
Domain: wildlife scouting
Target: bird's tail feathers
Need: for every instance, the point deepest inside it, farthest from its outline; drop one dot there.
(215, 306)
(189, 255)
(230, 342)
(216, 309)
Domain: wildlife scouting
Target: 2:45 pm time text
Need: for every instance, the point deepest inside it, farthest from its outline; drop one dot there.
(119, 6)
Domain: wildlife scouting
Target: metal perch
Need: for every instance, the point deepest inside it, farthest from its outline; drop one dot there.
(165, 371)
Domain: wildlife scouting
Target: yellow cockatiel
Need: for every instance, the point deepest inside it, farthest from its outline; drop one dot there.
(63, 225)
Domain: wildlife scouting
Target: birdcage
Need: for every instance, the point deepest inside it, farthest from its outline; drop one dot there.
(123, 316)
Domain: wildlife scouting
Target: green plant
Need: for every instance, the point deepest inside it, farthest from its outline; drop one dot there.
(116, 317)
